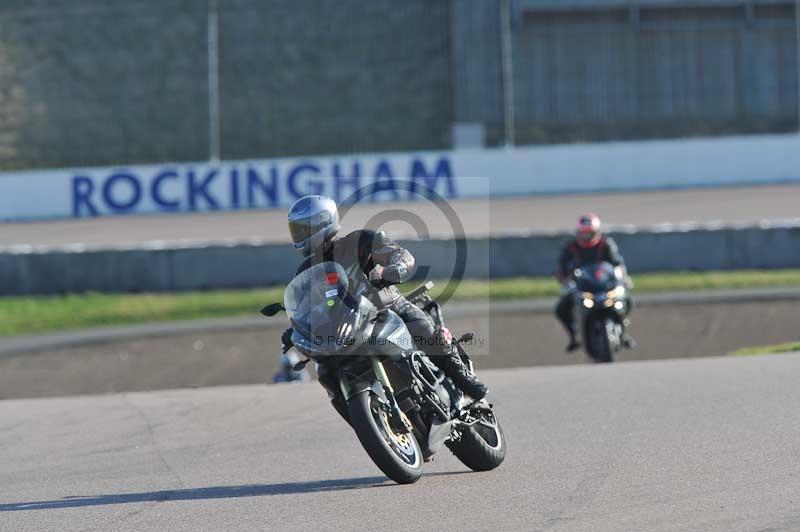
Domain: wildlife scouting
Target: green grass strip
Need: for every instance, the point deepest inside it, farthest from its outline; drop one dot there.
(29, 315)
(791, 347)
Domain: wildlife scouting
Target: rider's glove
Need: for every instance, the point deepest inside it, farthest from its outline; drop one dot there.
(376, 276)
(286, 339)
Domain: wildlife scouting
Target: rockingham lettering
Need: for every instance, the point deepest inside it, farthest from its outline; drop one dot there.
(268, 189)
(122, 192)
(165, 204)
(254, 185)
(82, 191)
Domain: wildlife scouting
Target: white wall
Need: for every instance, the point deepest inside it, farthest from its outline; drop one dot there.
(187, 187)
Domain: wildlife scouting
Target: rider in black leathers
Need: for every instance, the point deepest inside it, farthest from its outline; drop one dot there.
(314, 224)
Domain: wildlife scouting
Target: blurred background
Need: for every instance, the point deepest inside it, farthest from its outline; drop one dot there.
(149, 149)
(115, 82)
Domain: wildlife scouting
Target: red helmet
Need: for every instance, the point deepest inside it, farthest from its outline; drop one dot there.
(588, 234)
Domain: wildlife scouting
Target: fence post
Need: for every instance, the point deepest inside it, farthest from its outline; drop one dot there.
(507, 63)
(213, 82)
(797, 64)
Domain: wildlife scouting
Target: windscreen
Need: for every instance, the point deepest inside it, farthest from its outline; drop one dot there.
(596, 277)
(320, 307)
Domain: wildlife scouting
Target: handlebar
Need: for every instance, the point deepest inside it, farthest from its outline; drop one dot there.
(420, 291)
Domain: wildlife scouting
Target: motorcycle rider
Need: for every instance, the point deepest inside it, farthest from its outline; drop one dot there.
(314, 227)
(589, 245)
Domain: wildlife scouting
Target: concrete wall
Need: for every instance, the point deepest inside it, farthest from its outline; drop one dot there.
(106, 82)
(103, 82)
(334, 76)
(252, 265)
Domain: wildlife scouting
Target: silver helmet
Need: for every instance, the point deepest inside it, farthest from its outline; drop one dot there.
(313, 220)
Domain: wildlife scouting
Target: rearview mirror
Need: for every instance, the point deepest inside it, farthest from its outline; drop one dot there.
(272, 310)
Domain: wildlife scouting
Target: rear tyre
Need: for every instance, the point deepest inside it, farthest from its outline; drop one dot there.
(482, 446)
(397, 455)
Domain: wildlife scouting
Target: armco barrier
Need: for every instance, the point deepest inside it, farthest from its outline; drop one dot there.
(246, 265)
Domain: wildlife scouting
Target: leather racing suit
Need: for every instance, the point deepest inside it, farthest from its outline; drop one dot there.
(575, 256)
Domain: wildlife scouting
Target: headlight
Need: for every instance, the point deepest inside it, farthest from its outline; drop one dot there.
(588, 295)
(617, 292)
(588, 303)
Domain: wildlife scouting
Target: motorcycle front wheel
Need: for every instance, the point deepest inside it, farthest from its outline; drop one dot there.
(599, 345)
(397, 455)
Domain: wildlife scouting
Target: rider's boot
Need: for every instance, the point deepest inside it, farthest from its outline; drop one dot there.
(573, 341)
(573, 345)
(569, 326)
(627, 339)
(628, 342)
(466, 381)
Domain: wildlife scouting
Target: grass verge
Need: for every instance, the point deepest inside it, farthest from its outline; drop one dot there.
(30, 315)
(791, 347)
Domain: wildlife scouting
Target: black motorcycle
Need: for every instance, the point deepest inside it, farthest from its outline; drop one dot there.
(400, 405)
(602, 301)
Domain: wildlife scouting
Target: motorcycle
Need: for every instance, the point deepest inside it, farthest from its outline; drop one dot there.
(602, 300)
(399, 403)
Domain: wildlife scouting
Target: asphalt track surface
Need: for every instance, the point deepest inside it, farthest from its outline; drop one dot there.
(736, 205)
(682, 445)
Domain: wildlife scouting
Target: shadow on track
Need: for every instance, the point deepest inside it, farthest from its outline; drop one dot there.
(217, 492)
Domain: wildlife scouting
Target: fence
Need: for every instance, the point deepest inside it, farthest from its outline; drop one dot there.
(105, 82)
(606, 69)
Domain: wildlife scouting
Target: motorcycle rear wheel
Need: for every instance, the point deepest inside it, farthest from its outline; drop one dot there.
(398, 455)
(482, 446)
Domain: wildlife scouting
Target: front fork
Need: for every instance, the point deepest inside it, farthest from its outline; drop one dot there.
(396, 417)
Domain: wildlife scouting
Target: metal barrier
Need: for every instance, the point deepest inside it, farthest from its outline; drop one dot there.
(254, 265)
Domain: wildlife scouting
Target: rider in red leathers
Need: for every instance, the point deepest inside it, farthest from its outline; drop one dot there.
(589, 245)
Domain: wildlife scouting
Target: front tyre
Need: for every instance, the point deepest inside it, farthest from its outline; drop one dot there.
(482, 445)
(397, 455)
(599, 346)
